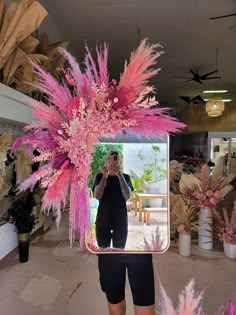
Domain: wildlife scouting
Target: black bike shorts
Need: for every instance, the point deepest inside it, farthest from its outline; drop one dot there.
(112, 268)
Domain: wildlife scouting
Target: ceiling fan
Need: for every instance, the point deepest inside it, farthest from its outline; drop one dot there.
(199, 78)
(194, 100)
(222, 16)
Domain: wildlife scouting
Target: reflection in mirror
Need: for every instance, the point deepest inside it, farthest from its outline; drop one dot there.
(129, 196)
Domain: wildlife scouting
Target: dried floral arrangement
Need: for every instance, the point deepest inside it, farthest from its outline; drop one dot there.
(190, 303)
(205, 190)
(184, 216)
(77, 116)
(18, 43)
(175, 172)
(5, 145)
(225, 228)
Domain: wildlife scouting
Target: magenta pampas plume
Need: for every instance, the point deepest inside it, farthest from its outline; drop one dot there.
(189, 301)
(229, 309)
(205, 177)
(58, 94)
(154, 122)
(102, 55)
(55, 195)
(79, 211)
(138, 71)
(74, 69)
(167, 307)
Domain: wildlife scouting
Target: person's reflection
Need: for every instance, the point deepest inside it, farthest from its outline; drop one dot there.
(112, 188)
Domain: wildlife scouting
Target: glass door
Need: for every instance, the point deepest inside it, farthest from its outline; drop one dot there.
(223, 152)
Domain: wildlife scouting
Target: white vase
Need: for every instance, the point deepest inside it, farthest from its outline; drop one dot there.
(205, 235)
(230, 250)
(185, 244)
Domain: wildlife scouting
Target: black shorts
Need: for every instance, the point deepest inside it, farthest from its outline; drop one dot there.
(112, 268)
(118, 236)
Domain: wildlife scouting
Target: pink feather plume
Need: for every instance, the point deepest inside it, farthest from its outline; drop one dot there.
(139, 69)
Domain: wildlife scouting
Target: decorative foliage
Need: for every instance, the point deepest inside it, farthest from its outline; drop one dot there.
(225, 228)
(204, 190)
(157, 243)
(5, 144)
(190, 303)
(17, 23)
(21, 212)
(187, 219)
(77, 117)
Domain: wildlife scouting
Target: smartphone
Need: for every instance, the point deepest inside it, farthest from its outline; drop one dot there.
(115, 157)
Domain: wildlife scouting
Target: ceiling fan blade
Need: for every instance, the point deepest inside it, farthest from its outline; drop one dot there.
(198, 80)
(183, 78)
(222, 16)
(194, 73)
(211, 78)
(207, 74)
(185, 98)
(197, 100)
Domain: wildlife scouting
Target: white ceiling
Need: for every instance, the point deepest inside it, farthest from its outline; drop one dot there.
(183, 27)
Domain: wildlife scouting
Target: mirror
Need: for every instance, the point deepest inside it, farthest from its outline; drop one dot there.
(144, 164)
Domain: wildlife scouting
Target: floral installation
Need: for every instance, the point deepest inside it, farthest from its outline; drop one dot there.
(183, 216)
(188, 221)
(203, 190)
(190, 303)
(225, 228)
(77, 116)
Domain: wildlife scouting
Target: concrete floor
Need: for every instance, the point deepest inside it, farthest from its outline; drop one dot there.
(42, 286)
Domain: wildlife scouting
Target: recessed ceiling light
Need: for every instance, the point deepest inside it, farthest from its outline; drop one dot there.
(215, 91)
(224, 100)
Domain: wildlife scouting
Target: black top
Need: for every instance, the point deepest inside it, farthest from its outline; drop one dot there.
(112, 210)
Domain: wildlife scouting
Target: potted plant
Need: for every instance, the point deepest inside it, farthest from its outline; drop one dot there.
(186, 222)
(205, 191)
(22, 216)
(225, 231)
(157, 182)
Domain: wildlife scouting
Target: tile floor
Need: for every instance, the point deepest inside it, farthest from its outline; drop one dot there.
(43, 285)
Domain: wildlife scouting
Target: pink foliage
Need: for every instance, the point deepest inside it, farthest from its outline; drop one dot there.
(73, 120)
(189, 302)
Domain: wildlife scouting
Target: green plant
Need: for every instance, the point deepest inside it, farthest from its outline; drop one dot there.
(21, 212)
(153, 169)
(99, 157)
(139, 183)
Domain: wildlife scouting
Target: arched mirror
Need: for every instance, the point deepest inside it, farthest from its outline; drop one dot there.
(141, 223)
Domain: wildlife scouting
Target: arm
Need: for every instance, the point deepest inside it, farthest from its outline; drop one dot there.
(125, 189)
(99, 189)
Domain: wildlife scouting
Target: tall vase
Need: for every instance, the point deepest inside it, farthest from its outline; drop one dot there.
(23, 243)
(185, 244)
(230, 250)
(205, 235)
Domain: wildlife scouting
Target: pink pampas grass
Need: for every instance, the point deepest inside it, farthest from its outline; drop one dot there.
(189, 302)
(76, 117)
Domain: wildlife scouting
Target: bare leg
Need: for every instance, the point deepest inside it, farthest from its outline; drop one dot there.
(117, 309)
(144, 310)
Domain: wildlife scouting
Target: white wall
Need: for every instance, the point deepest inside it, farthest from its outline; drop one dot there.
(133, 162)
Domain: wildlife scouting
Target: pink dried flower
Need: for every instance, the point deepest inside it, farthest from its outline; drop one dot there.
(213, 201)
(75, 119)
(218, 194)
(209, 193)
